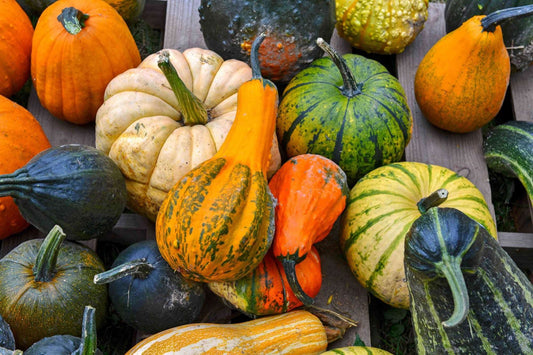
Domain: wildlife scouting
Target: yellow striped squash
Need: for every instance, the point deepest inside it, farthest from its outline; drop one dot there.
(381, 209)
(296, 332)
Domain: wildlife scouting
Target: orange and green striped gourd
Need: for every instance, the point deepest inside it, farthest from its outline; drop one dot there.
(217, 222)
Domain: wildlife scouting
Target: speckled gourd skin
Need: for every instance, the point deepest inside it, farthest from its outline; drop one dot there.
(500, 312)
(383, 27)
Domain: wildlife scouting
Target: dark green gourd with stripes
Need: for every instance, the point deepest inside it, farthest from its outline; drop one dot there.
(508, 149)
(467, 295)
(380, 210)
(347, 108)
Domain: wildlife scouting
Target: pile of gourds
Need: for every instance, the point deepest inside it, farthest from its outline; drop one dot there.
(242, 181)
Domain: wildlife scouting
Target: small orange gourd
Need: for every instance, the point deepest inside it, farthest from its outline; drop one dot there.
(311, 192)
(15, 47)
(78, 47)
(461, 82)
(217, 222)
(22, 137)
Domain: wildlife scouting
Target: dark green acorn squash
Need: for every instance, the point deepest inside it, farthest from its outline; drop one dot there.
(75, 186)
(45, 285)
(508, 150)
(517, 33)
(230, 26)
(347, 108)
(7, 340)
(147, 293)
(68, 344)
(467, 296)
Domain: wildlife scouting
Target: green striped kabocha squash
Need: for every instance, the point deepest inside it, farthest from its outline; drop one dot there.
(467, 294)
(508, 150)
(217, 222)
(347, 108)
(356, 350)
(380, 210)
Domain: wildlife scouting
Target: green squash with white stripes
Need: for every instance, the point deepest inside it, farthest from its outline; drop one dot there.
(347, 108)
(508, 150)
(382, 207)
(467, 294)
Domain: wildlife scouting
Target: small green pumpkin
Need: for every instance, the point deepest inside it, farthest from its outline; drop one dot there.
(45, 285)
(138, 273)
(68, 344)
(467, 295)
(347, 108)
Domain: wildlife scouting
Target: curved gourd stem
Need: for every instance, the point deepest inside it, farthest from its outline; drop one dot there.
(192, 109)
(254, 59)
(138, 268)
(289, 265)
(350, 87)
(433, 200)
(492, 20)
(14, 184)
(451, 269)
(88, 333)
(73, 20)
(45, 263)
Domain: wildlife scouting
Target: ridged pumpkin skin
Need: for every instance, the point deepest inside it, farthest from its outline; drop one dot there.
(381, 208)
(217, 222)
(15, 47)
(71, 71)
(380, 26)
(139, 105)
(517, 33)
(290, 26)
(461, 82)
(22, 138)
(266, 291)
(39, 308)
(311, 193)
(468, 296)
(360, 131)
(295, 333)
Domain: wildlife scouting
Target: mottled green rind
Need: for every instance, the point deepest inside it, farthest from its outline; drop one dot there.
(508, 149)
(500, 318)
(359, 133)
(48, 308)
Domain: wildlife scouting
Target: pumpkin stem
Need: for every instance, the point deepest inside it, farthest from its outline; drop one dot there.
(88, 333)
(45, 263)
(450, 267)
(192, 109)
(492, 20)
(73, 20)
(335, 324)
(289, 265)
(138, 268)
(350, 88)
(433, 200)
(254, 58)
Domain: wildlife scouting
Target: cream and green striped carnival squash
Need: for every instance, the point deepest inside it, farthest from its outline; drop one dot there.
(382, 207)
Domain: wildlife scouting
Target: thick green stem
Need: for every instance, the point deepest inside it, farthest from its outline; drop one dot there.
(139, 268)
(45, 264)
(192, 109)
(88, 333)
(73, 20)
(350, 87)
(433, 200)
(450, 267)
(492, 20)
(289, 265)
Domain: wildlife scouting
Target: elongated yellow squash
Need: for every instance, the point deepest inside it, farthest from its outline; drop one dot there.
(296, 332)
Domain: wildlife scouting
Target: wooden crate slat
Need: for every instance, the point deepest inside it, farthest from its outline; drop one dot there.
(461, 153)
(182, 28)
(521, 86)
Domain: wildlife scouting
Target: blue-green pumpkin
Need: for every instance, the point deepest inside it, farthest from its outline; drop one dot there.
(347, 108)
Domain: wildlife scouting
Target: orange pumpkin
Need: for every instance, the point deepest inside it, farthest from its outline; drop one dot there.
(78, 47)
(21, 138)
(461, 82)
(15, 47)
